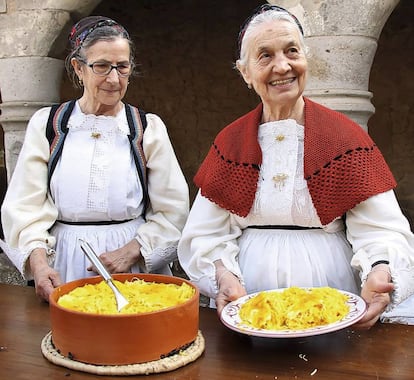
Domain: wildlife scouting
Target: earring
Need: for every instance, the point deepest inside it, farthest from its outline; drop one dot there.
(80, 82)
(249, 86)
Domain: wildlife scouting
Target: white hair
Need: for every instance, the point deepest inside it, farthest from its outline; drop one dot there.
(271, 15)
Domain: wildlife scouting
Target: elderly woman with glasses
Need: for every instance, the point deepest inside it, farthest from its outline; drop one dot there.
(293, 193)
(95, 169)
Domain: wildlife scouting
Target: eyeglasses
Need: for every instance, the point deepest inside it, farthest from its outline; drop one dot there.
(104, 68)
(262, 9)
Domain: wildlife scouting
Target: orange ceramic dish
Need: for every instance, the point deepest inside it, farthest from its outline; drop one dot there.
(123, 339)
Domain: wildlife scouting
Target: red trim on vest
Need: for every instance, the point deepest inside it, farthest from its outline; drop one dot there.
(342, 165)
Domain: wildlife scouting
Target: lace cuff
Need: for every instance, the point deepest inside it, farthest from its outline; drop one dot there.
(159, 258)
(402, 278)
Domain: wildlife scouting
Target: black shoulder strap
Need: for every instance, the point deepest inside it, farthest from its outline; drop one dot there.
(56, 130)
(137, 122)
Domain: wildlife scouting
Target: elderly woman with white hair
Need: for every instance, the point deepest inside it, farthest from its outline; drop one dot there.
(293, 193)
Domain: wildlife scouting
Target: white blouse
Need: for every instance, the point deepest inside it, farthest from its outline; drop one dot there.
(96, 178)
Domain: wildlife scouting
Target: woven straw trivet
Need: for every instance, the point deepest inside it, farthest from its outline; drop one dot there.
(185, 356)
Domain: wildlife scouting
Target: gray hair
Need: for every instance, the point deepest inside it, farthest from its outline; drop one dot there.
(104, 33)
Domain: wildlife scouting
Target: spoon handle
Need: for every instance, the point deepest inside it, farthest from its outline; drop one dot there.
(95, 260)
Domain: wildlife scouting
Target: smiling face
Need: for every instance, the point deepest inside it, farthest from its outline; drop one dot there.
(103, 94)
(275, 65)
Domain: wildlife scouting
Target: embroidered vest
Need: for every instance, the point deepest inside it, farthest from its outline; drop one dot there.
(56, 131)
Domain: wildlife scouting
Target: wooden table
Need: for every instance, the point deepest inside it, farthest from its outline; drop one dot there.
(384, 352)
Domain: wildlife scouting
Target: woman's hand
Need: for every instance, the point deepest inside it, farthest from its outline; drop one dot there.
(46, 278)
(229, 286)
(122, 259)
(376, 293)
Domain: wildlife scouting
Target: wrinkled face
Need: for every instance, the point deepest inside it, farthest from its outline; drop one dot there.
(276, 64)
(104, 91)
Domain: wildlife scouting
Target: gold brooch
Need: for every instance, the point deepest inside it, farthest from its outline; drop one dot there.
(280, 138)
(279, 180)
(95, 135)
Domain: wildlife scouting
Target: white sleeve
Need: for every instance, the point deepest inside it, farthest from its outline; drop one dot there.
(169, 198)
(377, 230)
(208, 235)
(28, 211)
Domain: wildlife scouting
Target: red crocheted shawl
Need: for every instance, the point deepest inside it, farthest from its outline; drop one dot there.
(342, 165)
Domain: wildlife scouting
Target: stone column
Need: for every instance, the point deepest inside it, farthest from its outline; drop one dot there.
(33, 38)
(342, 37)
(27, 84)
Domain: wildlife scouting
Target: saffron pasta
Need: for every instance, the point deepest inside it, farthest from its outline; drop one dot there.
(294, 308)
(143, 297)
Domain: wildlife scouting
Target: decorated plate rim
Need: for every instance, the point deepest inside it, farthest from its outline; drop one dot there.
(230, 318)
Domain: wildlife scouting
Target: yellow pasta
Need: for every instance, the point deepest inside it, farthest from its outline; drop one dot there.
(294, 308)
(143, 297)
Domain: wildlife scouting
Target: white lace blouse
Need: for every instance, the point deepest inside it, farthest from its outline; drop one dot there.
(96, 178)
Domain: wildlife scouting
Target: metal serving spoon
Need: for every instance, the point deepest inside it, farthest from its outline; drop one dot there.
(121, 301)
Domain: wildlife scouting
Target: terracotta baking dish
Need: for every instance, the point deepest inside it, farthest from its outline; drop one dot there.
(123, 339)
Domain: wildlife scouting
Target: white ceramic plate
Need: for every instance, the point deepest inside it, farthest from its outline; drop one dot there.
(230, 318)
